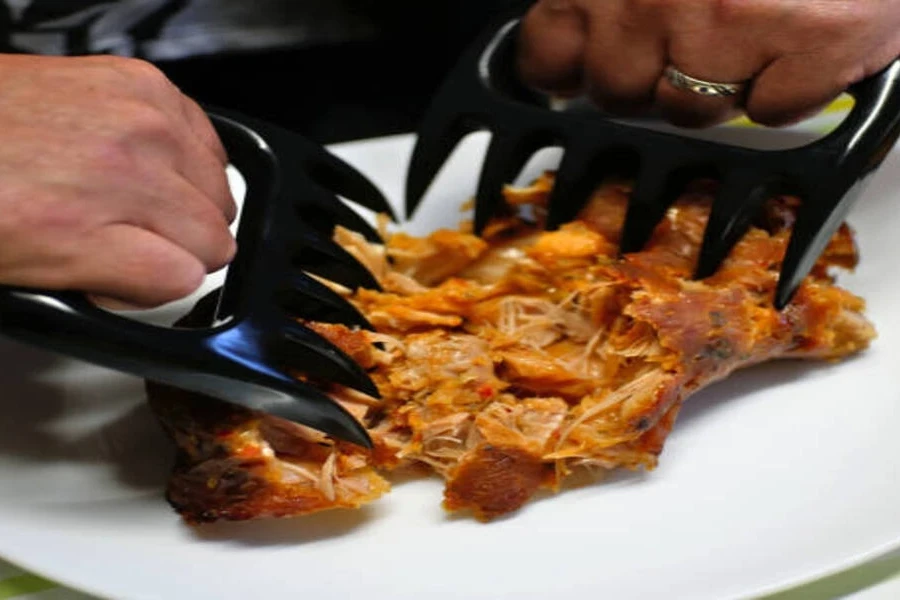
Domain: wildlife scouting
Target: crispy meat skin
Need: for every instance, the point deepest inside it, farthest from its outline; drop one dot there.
(509, 363)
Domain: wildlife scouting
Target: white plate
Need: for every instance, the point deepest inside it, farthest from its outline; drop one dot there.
(774, 477)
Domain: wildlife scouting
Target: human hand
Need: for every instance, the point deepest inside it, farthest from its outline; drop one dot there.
(112, 182)
(795, 56)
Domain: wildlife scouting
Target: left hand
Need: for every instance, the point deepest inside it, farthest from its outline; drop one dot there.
(795, 56)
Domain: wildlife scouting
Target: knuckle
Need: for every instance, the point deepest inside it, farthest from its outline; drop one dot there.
(213, 236)
(140, 127)
(211, 179)
(230, 205)
(146, 120)
(204, 128)
(142, 72)
(133, 129)
(109, 157)
(221, 250)
(227, 253)
(551, 50)
(115, 158)
(124, 75)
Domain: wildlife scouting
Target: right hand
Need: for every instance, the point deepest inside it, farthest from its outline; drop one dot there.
(795, 56)
(112, 182)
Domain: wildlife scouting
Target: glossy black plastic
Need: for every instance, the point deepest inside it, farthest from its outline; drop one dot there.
(253, 347)
(482, 92)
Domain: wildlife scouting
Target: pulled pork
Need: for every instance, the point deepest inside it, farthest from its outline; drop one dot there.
(512, 361)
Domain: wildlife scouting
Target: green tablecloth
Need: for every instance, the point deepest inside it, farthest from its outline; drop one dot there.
(876, 580)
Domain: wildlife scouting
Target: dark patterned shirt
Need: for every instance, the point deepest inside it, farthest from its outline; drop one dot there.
(171, 29)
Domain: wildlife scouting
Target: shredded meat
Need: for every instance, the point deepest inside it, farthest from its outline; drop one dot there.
(509, 363)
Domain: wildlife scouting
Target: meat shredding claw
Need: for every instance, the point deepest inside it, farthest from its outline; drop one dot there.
(253, 348)
(482, 92)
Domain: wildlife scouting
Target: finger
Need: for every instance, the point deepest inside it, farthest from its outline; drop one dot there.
(205, 171)
(551, 48)
(688, 109)
(203, 128)
(703, 50)
(624, 58)
(204, 159)
(176, 210)
(792, 88)
(132, 267)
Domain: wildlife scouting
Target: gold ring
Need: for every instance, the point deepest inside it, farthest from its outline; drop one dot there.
(701, 87)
